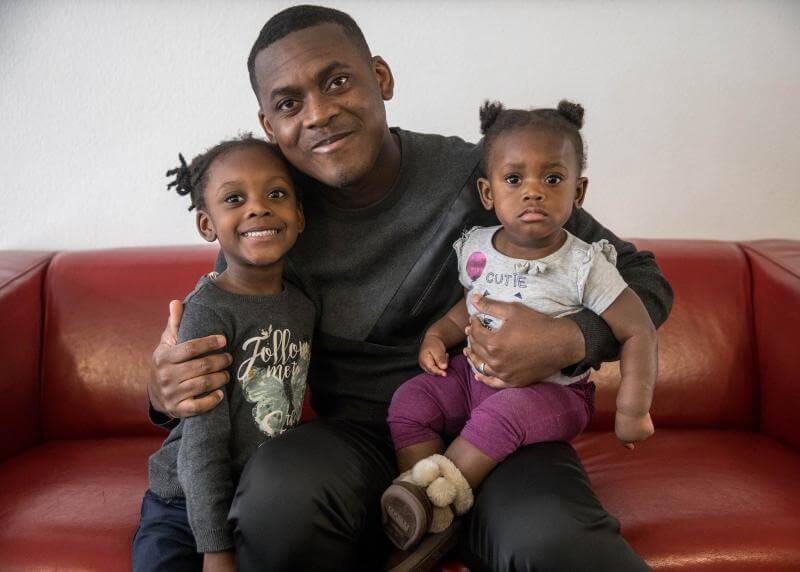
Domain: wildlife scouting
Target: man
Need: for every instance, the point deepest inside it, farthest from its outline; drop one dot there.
(383, 208)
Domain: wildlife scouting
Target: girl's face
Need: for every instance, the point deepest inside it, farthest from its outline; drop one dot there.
(251, 207)
(534, 183)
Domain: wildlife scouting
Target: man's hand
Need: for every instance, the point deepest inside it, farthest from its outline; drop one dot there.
(433, 356)
(180, 377)
(219, 561)
(528, 347)
(633, 428)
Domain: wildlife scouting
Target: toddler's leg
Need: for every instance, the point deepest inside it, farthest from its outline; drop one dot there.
(422, 409)
(511, 418)
(426, 407)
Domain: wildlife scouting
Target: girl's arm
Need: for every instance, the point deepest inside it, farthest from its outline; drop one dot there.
(204, 460)
(444, 333)
(640, 271)
(631, 325)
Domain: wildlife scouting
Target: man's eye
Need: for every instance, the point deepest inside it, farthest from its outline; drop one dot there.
(276, 194)
(339, 81)
(286, 105)
(553, 179)
(513, 179)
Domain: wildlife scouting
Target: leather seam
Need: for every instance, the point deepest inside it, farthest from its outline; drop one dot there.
(751, 252)
(24, 272)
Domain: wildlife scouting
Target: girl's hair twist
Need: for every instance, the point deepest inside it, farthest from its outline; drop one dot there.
(567, 118)
(490, 111)
(191, 179)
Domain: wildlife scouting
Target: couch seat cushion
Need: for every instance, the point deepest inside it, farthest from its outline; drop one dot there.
(73, 505)
(701, 499)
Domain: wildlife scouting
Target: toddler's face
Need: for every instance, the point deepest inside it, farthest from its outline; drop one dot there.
(534, 182)
(251, 207)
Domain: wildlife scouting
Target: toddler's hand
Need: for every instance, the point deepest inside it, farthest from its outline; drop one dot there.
(633, 428)
(433, 356)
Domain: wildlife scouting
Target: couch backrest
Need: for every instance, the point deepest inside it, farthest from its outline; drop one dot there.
(105, 311)
(707, 372)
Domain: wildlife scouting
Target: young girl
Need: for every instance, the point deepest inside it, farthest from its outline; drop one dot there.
(533, 161)
(246, 200)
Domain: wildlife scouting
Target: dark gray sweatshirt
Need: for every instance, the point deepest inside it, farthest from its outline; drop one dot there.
(269, 338)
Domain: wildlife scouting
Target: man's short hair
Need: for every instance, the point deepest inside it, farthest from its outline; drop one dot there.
(299, 18)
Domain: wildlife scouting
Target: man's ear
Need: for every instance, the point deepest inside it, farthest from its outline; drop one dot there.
(266, 126)
(485, 193)
(205, 227)
(580, 192)
(383, 74)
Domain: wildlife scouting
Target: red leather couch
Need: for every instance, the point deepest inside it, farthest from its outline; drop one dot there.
(716, 488)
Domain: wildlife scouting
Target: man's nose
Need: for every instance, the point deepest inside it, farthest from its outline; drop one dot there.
(319, 109)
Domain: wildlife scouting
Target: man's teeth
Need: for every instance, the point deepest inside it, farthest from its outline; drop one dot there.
(260, 233)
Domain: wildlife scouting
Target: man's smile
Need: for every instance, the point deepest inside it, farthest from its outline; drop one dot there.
(331, 143)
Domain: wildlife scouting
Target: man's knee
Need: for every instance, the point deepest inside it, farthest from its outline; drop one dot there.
(537, 512)
(277, 493)
(304, 498)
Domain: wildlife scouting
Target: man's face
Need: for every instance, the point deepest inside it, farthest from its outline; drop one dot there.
(321, 100)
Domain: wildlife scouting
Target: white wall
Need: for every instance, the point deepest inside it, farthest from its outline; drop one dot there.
(693, 108)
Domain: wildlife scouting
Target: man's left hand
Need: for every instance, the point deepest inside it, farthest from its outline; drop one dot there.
(528, 347)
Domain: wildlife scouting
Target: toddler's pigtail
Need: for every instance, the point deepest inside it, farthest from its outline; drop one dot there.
(572, 112)
(183, 179)
(490, 111)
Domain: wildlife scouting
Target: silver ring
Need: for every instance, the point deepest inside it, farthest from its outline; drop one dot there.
(482, 368)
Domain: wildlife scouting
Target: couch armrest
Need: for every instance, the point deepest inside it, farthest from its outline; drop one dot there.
(21, 280)
(775, 267)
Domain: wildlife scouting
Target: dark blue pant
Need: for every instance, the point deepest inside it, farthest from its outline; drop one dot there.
(164, 539)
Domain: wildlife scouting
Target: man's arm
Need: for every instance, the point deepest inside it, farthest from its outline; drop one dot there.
(640, 271)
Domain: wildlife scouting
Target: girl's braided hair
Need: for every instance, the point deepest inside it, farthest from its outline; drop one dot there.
(191, 179)
(567, 118)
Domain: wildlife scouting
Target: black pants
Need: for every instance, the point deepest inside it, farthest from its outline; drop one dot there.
(309, 500)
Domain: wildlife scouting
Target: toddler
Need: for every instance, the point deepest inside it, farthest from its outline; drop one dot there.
(533, 161)
(246, 200)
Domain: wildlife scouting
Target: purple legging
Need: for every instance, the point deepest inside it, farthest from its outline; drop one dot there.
(496, 421)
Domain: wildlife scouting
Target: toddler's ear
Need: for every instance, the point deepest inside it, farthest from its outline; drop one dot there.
(485, 193)
(205, 227)
(580, 192)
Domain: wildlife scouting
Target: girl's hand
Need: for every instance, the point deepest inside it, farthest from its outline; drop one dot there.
(633, 428)
(433, 356)
(219, 561)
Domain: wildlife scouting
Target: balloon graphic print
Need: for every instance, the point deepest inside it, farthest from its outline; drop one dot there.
(475, 265)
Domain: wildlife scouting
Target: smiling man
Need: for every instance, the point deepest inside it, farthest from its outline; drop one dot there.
(383, 207)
